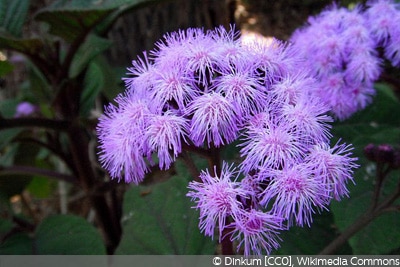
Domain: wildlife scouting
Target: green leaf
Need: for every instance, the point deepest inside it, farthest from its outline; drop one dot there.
(8, 107)
(99, 77)
(37, 89)
(378, 237)
(17, 244)
(41, 187)
(309, 240)
(93, 83)
(379, 124)
(113, 85)
(71, 24)
(70, 19)
(95, 4)
(12, 183)
(6, 136)
(5, 226)
(67, 235)
(13, 15)
(31, 46)
(375, 237)
(159, 219)
(5, 67)
(92, 47)
(379, 115)
(57, 235)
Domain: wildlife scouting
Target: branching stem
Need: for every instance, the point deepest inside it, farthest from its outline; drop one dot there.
(362, 221)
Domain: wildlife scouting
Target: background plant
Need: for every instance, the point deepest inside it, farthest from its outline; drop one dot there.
(67, 74)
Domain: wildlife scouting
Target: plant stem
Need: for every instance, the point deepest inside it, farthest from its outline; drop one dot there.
(226, 242)
(52, 146)
(197, 150)
(60, 125)
(38, 171)
(380, 176)
(194, 172)
(214, 163)
(106, 217)
(362, 221)
(62, 190)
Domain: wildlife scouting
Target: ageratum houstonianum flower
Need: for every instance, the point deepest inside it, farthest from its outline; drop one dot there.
(216, 197)
(164, 134)
(341, 52)
(214, 120)
(327, 164)
(121, 135)
(341, 47)
(24, 109)
(296, 192)
(201, 91)
(256, 231)
(383, 18)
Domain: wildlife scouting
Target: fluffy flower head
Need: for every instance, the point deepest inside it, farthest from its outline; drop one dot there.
(216, 197)
(296, 193)
(199, 91)
(256, 232)
(214, 120)
(120, 132)
(337, 43)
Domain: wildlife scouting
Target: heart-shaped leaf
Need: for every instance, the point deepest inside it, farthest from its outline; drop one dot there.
(57, 235)
(378, 124)
(158, 219)
(13, 15)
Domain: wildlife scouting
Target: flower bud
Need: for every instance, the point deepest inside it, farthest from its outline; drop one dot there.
(384, 153)
(370, 152)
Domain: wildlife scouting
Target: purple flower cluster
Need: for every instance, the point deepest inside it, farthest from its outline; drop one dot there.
(202, 90)
(341, 48)
(383, 20)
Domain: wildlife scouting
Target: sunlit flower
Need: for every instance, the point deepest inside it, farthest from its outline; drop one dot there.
(214, 120)
(309, 119)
